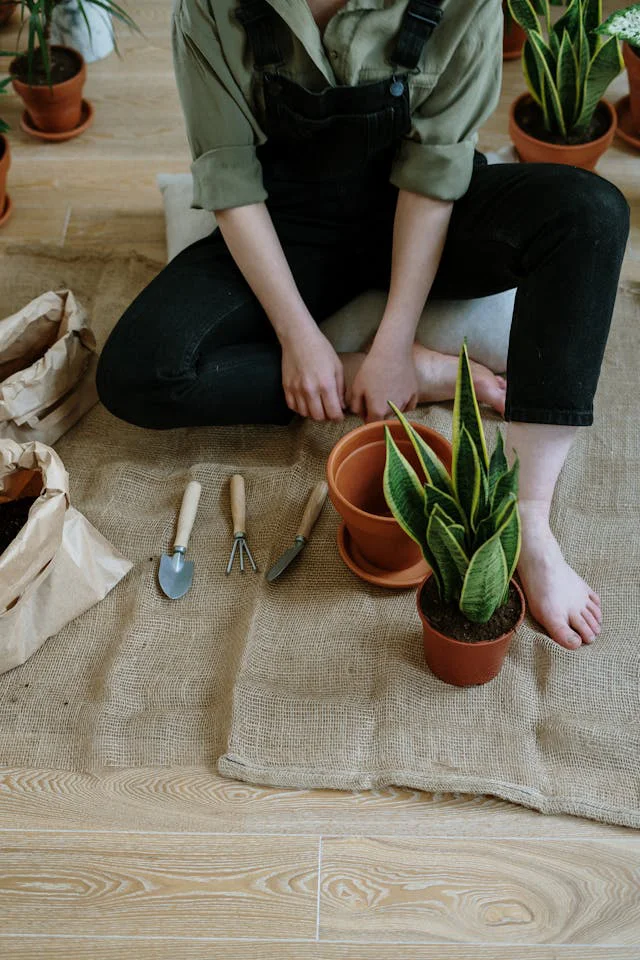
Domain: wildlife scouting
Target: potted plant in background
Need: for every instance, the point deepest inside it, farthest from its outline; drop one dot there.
(625, 26)
(5, 163)
(513, 36)
(49, 78)
(567, 67)
(467, 526)
(7, 8)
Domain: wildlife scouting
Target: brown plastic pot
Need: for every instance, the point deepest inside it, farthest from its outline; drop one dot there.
(632, 60)
(585, 155)
(465, 664)
(55, 108)
(355, 471)
(5, 163)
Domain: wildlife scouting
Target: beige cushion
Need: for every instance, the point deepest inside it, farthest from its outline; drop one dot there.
(486, 321)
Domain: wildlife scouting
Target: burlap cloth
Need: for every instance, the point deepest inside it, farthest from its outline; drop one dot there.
(319, 680)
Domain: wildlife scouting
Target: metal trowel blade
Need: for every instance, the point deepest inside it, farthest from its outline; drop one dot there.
(175, 575)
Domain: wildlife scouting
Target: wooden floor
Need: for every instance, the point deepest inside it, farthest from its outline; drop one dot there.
(160, 864)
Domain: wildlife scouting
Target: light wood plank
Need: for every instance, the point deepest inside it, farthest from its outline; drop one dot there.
(194, 799)
(71, 948)
(520, 892)
(152, 885)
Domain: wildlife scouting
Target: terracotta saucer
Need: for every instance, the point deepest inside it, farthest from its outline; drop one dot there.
(626, 129)
(393, 579)
(86, 119)
(8, 208)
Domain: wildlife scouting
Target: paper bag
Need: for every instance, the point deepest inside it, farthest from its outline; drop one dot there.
(58, 565)
(47, 368)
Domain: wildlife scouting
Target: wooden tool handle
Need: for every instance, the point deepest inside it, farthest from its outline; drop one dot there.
(188, 512)
(312, 509)
(238, 504)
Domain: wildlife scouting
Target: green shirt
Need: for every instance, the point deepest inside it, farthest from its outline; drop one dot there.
(454, 89)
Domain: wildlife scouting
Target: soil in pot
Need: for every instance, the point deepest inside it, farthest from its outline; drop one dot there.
(13, 516)
(64, 65)
(530, 119)
(446, 617)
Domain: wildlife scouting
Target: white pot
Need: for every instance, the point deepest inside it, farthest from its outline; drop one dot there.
(68, 28)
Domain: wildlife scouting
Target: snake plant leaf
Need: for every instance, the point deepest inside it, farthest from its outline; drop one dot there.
(484, 583)
(510, 533)
(551, 103)
(449, 506)
(623, 24)
(605, 66)
(466, 477)
(434, 469)
(569, 22)
(466, 412)
(524, 13)
(458, 531)
(450, 559)
(592, 18)
(403, 492)
(492, 523)
(507, 483)
(530, 71)
(567, 80)
(498, 463)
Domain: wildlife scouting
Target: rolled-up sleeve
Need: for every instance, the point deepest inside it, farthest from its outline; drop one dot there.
(436, 158)
(221, 129)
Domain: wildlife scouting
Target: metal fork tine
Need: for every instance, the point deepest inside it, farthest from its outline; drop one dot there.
(253, 563)
(242, 555)
(233, 553)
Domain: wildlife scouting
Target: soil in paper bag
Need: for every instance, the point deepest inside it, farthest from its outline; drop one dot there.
(13, 516)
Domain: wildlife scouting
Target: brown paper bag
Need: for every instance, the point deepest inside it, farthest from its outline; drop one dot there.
(58, 565)
(47, 368)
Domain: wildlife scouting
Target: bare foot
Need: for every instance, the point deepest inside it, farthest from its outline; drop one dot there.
(437, 373)
(562, 603)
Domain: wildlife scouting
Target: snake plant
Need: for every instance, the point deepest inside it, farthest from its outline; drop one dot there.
(4, 126)
(623, 24)
(567, 65)
(467, 524)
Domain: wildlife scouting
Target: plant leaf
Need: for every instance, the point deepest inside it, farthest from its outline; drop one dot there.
(434, 469)
(510, 534)
(451, 560)
(498, 463)
(403, 492)
(604, 67)
(466, 411)
(467, 477)
(507, 483)
(484, 582)
(624, 24)
(449, 506)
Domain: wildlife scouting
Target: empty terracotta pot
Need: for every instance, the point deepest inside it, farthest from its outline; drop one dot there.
(5, 163)
(632, 61)
(532, 150)
(56, 108)
(465, 664)
(355, 471)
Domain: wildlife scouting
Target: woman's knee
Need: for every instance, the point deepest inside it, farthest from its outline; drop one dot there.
(595, 207)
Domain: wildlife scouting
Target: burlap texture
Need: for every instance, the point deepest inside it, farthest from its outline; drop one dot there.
(319, 679)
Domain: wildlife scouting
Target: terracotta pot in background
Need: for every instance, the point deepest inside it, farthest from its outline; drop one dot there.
(632, 61)
(465, 664)
(355, 470)
(58, 108)
(585, 155)
(513, 39)
(7, 8)
(5, 163)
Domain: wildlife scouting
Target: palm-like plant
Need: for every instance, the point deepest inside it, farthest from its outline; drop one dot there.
(567, 65)
(37, 15)
(623, 24)
(467, 524)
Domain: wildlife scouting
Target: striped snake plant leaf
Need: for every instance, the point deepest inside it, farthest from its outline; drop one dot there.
(484, 583)
(592, 18)
(466, 478)
(466, 412)
(434, 469)
(530, 71)
(525, 13)
(403, 492)
(605, 66)
(498, 463)
(450, 559)
(510, 532)
(567, 80)
(492, 523)
(508, 483)
(569, 23)
(551, 104)
(623, 24)
(449, 506)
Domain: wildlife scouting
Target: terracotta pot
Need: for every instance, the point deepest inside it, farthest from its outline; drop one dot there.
(513, 38)
(58, 108)
(355, 471)
(5, 163)
(632, 60)
(465, 664)
(7, 8)
(585, 155)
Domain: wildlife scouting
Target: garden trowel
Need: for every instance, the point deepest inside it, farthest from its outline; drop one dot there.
(311, 514)
(176, 573)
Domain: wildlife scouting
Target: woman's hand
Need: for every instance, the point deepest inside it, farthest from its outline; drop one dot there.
(383, 376)
(312, 376)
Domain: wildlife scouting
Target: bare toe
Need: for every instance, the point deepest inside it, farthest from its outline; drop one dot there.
(591, 622)
(594, 596)
(594, 610)
(581, 627)
(560, 631)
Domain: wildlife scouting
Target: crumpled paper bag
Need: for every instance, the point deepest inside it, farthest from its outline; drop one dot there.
(58, 565)
(47, 368)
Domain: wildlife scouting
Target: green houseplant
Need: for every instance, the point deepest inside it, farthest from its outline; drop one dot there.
(467, 525)
(567, 67)
(513, 37)
(49, 78)
(5, 161)
(624, 25)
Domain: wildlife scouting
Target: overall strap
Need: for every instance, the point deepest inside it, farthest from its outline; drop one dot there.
(257, 18)
(420, 20)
